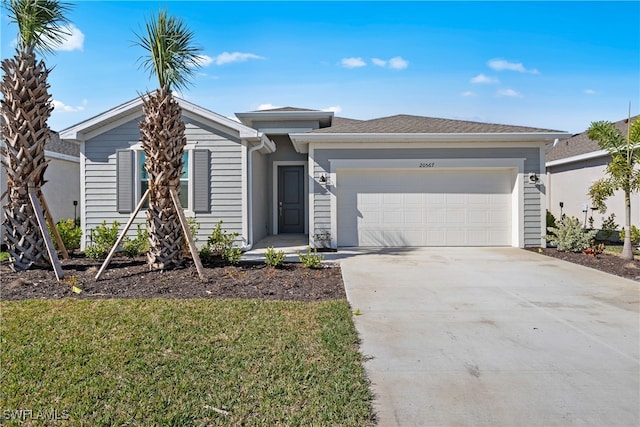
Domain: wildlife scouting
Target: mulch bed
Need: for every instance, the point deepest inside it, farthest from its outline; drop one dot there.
(604, 262)
(131, 278)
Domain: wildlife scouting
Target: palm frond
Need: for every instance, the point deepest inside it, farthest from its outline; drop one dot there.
(172, 55)
(608, 136)
(42, 24)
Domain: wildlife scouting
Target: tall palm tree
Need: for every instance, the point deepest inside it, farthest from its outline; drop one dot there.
(622, 171)
(172, 58)
(25, 108)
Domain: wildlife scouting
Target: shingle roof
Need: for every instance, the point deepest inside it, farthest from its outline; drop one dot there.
(580, 143)
(417, 124)
(56, 145)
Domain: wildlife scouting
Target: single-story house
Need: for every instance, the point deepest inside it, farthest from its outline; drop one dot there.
(573, 165)
(62, 189)
(395, 181)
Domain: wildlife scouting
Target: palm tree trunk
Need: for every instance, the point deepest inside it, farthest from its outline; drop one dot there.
(163, 140)
(25, 109)
(627, 250)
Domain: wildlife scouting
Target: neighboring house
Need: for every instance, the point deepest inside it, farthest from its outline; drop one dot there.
(395, 181)
(62, 188)
(573, 165)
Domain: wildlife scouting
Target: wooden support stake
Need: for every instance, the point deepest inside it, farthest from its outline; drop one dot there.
(53, 256)
(187, 233)
(52, 226)
(124, 233)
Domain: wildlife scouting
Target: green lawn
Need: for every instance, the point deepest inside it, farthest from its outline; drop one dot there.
(617, 250)
(182, 363)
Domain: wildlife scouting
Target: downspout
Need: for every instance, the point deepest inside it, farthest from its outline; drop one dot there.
(249, 244)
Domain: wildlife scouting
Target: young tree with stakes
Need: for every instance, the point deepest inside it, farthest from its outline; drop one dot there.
(26, 107)
(172, 58)
(622, 171)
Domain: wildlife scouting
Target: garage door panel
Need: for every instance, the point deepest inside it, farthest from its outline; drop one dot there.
(424, 208)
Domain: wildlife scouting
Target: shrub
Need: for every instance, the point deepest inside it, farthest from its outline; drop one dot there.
(635, 235)
(311, 259)
(609, 227)
(70, 233)
(138, 245)
(551, 220)
(570, 236)
(103, 238)
(274, 258)
(220, 244)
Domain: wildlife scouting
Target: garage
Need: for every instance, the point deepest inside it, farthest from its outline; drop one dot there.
(438, 207)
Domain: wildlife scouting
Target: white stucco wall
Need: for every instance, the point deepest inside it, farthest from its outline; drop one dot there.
(570, 184)
(61, 189)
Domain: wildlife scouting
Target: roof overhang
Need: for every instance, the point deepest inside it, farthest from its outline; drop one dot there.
(578, 158)
(130, 110)
(254, 118)
(301, 141)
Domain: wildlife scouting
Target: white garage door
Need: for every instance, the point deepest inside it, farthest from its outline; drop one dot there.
(424, 208)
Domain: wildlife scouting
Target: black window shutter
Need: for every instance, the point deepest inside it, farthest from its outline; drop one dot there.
(125, 175)
(201, 181)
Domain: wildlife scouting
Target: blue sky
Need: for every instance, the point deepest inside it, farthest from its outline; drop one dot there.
(557, 65)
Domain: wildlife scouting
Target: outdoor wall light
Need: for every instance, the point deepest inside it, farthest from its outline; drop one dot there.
(533, 178)
(324, 180)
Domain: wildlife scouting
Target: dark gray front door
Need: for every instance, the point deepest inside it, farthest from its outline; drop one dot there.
(291, 199)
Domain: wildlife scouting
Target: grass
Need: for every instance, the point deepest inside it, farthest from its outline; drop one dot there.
(183, 362)
(4, 256)
(617, 250)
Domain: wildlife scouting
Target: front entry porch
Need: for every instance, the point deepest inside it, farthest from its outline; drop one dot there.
(291, 244)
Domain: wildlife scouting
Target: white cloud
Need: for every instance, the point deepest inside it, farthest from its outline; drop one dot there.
(502, 65)
(74, 41)
(268, 106)
(590, 91)
(481, 78)
(509, 93)
(398, 63)
(61, 107)
(334, 109)
(203, 60)
(395, 63)
(352, 62)
(468, 94)
(227, 58)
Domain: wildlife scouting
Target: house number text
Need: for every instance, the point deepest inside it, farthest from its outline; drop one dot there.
(427, 164)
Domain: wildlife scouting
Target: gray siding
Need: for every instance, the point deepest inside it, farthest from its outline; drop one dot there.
(260, 201)
(225, 176)
(532, 193)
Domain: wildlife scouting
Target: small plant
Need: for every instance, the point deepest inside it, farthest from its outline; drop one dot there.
(609, 227)
(551, 220)
(591, 220)
(103, 238)
(220, 244)
(570, 236)
(322, 239)
(4, 256)
(138, 245)
(70, 233)
(635, 235)
(311, 259)
(594, 250)
(274, 258)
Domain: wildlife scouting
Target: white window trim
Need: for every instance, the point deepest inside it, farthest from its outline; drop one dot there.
(188, 148)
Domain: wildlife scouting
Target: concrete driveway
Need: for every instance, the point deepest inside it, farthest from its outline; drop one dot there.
(495, 337)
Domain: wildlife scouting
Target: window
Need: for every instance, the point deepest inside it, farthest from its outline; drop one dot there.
(184, 179)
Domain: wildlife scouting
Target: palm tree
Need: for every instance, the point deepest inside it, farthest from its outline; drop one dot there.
(172, 58)
(622, 171)
(26, 107)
